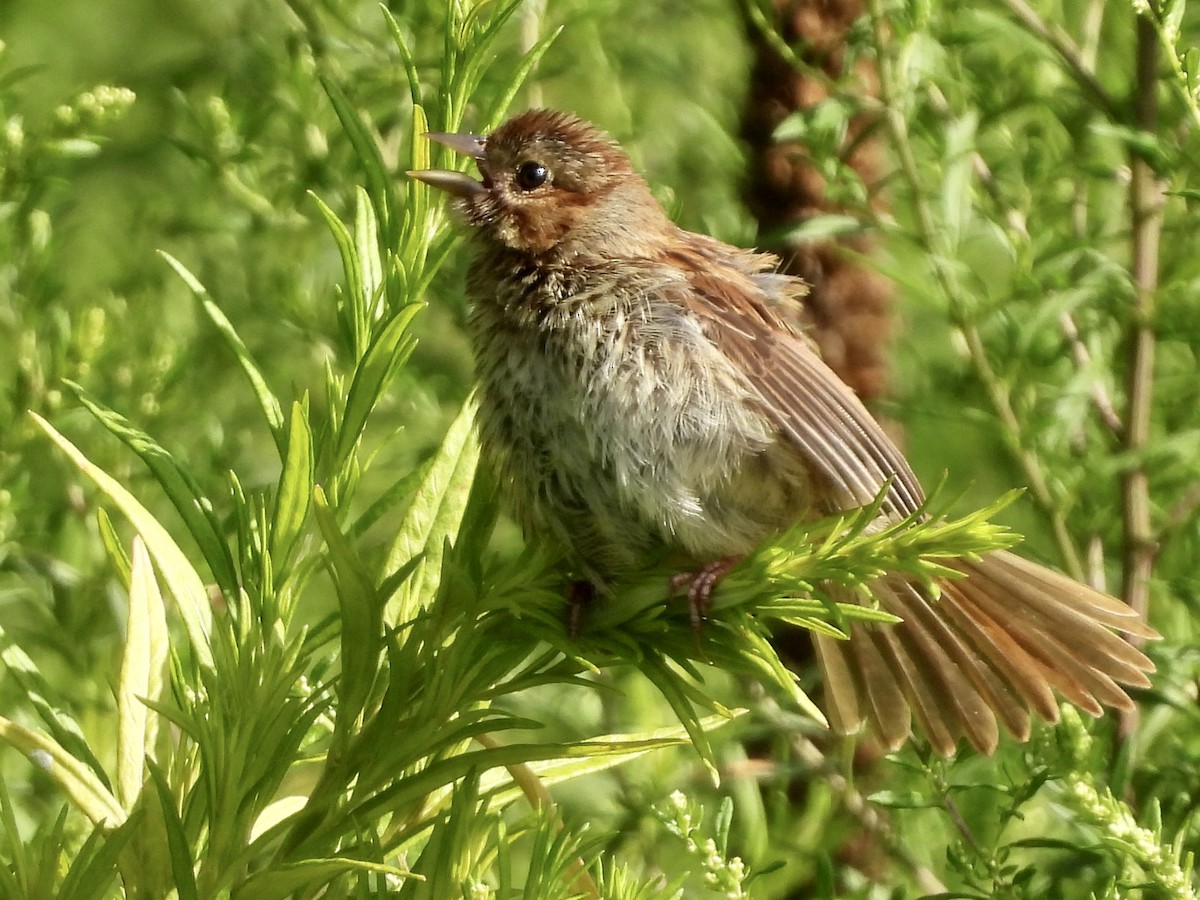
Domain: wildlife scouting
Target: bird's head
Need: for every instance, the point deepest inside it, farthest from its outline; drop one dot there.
(551, 183)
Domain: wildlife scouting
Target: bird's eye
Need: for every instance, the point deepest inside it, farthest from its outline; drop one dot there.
(531, 175)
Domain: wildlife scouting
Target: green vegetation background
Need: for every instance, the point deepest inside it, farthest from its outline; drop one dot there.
(217, 161)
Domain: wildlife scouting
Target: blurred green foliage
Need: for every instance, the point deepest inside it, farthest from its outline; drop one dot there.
(232, 128)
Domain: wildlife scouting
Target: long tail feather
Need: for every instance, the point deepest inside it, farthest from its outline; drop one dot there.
(998, 644)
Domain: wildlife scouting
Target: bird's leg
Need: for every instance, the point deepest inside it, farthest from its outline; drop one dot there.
(700, 585)
(580, 594)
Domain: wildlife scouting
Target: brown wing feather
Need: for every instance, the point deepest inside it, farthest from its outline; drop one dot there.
(813, 408)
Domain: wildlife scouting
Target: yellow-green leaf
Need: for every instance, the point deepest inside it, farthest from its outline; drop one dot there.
(294, 496)
(181, 579)
(146, 647)
(434, 517)
(76, 780)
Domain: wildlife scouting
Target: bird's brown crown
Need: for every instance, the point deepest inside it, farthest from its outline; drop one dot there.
(578, 155)
(557, 184)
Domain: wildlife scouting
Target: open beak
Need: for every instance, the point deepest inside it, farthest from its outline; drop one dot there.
(457, 183)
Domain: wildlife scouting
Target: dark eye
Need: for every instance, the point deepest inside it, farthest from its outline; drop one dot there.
(531, 175)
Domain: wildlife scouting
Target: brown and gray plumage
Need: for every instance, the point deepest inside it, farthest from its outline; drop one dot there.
(642, 394)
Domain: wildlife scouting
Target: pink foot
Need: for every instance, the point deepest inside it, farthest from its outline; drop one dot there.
(700, 585)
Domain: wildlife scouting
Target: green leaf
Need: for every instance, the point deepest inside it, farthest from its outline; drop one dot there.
(904, 800)
(1171, 16)
(184, 584)
(76, 780)
(367, 151)
(112, 546)
(956, 194)
(146, 646)
(529, 61)
(764, 654)
(395, 496)
(308, 876)
(180, 487)
(94, 864)
(406, 56)
(62, 727)
(375, 372)
(434, 517)
(502, 789)
(361, 615)
(352, 301)
(823, 227)
(420, 785)
(293, 499)
(267, 401)
(670, 686)
(177, 844)
(366, 245)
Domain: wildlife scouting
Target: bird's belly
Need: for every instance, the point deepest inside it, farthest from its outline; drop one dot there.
(628, 448)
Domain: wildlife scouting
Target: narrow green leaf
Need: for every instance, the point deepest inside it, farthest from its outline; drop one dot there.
(406, 56)
(94, 865)
(353, 299)
(529, 61)
(361, 614)
(146, 644)
(1172, 18)
(419, 158)
(365, 147)
(271, 409)
(413, 260)
(308, 876)
(366, 246)
(958, 166)
(76, 780)
(904, 800)
(375, 372)
(668, 684)
(395, 496)
(112, 546)
(435, 256)
(822, 227)
(184, 584)
(441, 859)
(293, 499)
(417, 787)
(17, 867)
(486, 33)
(180, 487)
(182, 867)
(765, 655)
(62, 727)
(434, 517)
(500, 786)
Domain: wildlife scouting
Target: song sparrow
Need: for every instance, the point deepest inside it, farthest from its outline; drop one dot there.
(642, 392)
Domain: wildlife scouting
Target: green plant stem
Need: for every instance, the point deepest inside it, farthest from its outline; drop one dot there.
(869, 817)
(1145, 203)
(927, 236)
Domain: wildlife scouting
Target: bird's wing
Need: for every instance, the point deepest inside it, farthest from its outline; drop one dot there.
(810, 405)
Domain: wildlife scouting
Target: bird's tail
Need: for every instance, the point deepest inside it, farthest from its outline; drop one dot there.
(997, 644)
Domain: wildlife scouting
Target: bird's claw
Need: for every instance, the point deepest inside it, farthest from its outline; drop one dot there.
(700, 586)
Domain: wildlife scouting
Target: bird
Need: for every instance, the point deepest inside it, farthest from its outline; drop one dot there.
(643, 395)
